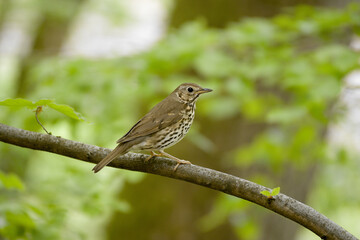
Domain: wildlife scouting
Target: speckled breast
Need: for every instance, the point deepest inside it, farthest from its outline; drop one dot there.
(169, 136)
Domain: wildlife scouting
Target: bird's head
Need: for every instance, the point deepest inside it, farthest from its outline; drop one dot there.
(189, 92)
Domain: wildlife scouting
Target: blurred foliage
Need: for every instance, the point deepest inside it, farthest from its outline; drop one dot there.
(285, 72)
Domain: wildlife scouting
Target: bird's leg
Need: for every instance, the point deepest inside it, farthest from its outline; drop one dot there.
(153, 154)
(179, 161)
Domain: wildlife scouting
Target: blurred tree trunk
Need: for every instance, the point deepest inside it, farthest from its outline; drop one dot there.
(49, 37)
(176, 211)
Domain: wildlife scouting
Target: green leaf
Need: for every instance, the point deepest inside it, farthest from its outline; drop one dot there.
(62, 108)
(18, 102)
(67, 110)
(275, 191)
(266, 193)
(43, 102)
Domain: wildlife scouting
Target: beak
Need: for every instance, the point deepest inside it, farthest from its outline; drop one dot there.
(204, 90)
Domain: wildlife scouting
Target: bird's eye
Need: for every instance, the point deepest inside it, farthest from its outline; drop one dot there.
(190, 89)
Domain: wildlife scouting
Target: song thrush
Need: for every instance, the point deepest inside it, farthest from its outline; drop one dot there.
(165, 125)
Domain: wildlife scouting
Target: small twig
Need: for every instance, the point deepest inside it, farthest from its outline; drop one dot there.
(37, 111)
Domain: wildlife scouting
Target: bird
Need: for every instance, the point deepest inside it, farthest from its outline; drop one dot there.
(162, 127)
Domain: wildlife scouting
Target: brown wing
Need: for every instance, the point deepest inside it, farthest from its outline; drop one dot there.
(164, 114)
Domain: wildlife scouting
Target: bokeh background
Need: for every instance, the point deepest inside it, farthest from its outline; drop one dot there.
(284, 113)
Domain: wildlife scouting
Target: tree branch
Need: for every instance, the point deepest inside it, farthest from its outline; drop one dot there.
(282, 204)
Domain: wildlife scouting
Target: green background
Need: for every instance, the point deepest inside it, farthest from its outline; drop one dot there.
(277, 75)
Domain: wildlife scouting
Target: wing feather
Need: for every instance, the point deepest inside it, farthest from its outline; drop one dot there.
(164, 114)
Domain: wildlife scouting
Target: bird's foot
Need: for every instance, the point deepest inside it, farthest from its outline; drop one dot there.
(179, 161)
(153, 154)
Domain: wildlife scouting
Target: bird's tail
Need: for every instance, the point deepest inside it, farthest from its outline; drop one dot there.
(119, 150)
